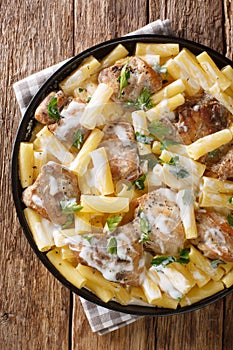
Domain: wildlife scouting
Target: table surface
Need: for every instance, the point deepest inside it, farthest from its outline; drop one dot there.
(36, 311)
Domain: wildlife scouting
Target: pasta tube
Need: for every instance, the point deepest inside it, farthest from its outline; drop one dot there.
(209, 143)
(165, 107)
(210, 184)
(163, 50)
(101, 172)
(26, 164)
(222, 97)
(95, 106)
(66, 269)
(80, 163)
(101, 204)
(212, 70)
(187, 214)
(43, 238)
(174, 88)
(83, 72)
(210, 199)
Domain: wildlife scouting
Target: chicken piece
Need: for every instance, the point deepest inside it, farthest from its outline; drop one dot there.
(121, 149)
(166, 233)
(118, 256)
(200, 116)
(141, 75)
(67, 127)
(41, 113)
(223, 169)
(53, 186)
(215, 235)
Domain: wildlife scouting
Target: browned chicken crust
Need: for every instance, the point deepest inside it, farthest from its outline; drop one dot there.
(121, 148)
(215, 235)
(41, 113)
(126, 265)
(141, 76)
(53, 185)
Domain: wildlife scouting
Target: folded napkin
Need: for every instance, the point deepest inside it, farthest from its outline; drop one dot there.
(101, 319)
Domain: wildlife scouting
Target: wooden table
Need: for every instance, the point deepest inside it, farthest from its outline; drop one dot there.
(36, 311)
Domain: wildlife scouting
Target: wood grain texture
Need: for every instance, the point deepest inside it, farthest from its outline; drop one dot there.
(34, 307)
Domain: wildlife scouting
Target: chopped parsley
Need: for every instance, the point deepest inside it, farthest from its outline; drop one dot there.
(216, 262)
(88, 238)
(143, 138)
(53, 109)
(138, 183)
(187, 197)
(161, 261)
(230, 200)
(81, 89)
(112, 246)
(158, 129)
(143, 101)
(78, 139)
(230, 220)
(69, 222)
(123, 78)
(160, 69)
(88, 99)
(70, 206)
(151, 160)
(112, 222)
(177, 170)
(145, 228)
(166, 143)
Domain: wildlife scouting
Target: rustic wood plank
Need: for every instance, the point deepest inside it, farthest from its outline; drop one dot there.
(34, 307)
(200, 21)
(97, 21)
(228, 11)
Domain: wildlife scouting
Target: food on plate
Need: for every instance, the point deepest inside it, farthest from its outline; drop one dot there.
(128, 180)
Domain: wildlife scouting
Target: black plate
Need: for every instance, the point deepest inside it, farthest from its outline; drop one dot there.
(98, 51)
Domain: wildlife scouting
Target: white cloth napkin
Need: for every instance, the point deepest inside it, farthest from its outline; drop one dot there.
(101, 320)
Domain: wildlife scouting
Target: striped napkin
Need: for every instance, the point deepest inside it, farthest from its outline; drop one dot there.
(101, 320)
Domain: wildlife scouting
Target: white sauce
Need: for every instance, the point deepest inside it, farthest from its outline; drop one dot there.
(122, 135)
(53, 186)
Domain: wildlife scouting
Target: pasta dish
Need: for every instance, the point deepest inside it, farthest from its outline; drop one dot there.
(128, 176)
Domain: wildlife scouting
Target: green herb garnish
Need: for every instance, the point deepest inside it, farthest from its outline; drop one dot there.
(112, 246)
(151, 159)
(158, 129)
(144, 99)
(216, 262)
(161, 261)
(78, 139)
(166, 143)
(138, 183)
(160, 69)
(230, 200)
(53, 109)
(88, 99)
(177, 170)
(143, 138)
(70, 206)
(88, 238)
(230, 220)
(187, 197)
(123, 78)
(112, 222)
(145, 228)
(81, 89)
(69, 222)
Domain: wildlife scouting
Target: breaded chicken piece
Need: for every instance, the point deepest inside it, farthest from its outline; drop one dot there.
(121, 148)
(54, 185)
(118, 256)
(200, 116)
(160, 210)
(215, 235)
(141, 75)
(41, 113)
